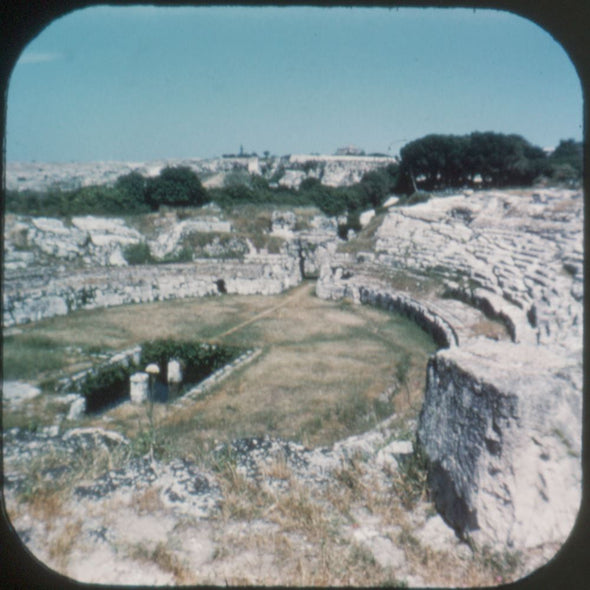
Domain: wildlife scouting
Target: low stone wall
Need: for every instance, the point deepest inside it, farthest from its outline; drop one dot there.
(29, 298)
(336, 283)
(500, 425)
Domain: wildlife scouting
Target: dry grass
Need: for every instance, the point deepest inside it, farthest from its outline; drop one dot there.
(147, 501)
(164, 558)
(323, 366)
(60, 546)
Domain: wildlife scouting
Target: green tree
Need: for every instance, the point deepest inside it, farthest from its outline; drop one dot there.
(132, 187)
(450, 161)
(566, 161)
(176, 187)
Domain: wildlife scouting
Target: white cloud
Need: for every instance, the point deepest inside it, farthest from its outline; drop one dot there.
(37, 57)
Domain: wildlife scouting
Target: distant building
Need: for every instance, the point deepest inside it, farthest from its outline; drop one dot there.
(349, 150)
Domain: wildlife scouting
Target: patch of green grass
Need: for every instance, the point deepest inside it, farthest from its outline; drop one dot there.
(25, 356)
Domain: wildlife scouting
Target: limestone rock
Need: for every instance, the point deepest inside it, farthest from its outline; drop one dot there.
(15, 393)
(139, 387)
(501, 427)
(283, 223)
(77, 408)
(366, 216)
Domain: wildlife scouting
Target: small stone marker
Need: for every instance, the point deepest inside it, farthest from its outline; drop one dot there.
(174, 371)
(139, 387)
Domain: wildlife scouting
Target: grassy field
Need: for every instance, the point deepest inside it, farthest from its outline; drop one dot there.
(321, 376)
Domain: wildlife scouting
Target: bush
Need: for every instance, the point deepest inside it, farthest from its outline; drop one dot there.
(106, 386)
(138, 254)
(176, 187)
(352, 223)
(198, 359)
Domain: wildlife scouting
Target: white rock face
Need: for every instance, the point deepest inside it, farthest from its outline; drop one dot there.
(503, 435)
(170, 238)
(47, 294)
(366, 216)
(16, 393)
(139, 387)
(77, 408)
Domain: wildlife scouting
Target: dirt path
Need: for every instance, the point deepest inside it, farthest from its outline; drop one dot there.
(297, 294)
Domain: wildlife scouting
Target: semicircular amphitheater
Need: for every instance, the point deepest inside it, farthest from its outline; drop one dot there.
(403, 407)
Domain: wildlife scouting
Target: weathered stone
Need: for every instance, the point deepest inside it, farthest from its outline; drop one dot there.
(174, 371)
(16, 393)
(501, 422)
(366, 216)
(283, 223)
(500, 425)
(77, 408)
(34, 297)
(139, 387)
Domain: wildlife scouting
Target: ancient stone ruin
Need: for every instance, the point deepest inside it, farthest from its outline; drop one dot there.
(501, 420)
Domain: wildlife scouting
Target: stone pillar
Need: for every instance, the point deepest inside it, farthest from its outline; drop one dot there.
(139, 387)
(174, 372)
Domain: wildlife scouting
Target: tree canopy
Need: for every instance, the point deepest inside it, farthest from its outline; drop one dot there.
(177, 187)
(454, 161)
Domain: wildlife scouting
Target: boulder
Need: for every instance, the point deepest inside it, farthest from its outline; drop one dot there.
(15, 393)
(501, 428)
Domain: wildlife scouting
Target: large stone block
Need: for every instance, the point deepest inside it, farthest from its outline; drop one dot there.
(501, 428)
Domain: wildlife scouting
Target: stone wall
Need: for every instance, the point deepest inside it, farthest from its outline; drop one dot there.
(35, 296)
(336, 283)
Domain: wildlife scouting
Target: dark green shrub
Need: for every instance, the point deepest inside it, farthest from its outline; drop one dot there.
(138, 254)
(106, 386)
(177, 187)
(199, 359)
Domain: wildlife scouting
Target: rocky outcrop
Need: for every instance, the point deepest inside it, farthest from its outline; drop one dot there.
(501, 427)
(91, 241)
(501, 420)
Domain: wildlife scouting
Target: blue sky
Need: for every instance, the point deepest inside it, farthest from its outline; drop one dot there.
(142, 83)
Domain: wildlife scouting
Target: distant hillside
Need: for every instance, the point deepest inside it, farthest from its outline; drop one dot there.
(287, 171)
